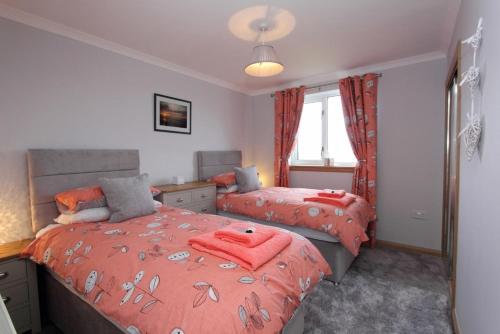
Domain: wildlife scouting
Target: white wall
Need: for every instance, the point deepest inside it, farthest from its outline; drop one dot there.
(59, 93)
(478, 268)
(321, 180)
(411, 137)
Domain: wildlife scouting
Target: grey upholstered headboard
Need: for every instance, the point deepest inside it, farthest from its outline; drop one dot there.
(211, 163)
(53, 171)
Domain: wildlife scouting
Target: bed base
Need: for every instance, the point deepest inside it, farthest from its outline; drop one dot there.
(67, 311)
(71, 314)
(337, 256)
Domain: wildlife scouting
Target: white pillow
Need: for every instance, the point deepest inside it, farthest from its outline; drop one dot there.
(46, 229)
(85, 216)
(227, 190)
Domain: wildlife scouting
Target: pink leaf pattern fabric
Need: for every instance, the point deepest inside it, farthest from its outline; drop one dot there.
(359, 102)
(162, 285)
(287, 206)
(288, 106)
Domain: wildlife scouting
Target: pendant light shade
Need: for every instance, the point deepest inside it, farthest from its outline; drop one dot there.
(264, 63)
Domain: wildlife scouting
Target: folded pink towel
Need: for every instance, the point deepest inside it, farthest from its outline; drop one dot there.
(342, 202)
(332, 193)
(248, 258)
(244, 234)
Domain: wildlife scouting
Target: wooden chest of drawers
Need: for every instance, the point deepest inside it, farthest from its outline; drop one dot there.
(194, 196)
(19, 287)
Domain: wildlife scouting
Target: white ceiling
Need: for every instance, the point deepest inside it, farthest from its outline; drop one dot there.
(329, 35)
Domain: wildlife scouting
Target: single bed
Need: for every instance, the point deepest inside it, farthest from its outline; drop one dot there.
(77, 305)
(282, 207)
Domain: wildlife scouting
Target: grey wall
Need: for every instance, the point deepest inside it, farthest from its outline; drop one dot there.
(411, 137)
(478, 268)
(410, 153)
(59, 93)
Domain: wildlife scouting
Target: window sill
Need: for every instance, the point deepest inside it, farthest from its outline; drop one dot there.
(327, 169)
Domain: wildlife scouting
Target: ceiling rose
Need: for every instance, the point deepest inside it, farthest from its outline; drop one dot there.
(247, 23)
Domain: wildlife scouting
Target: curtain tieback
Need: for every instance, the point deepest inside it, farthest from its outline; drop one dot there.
(360, 162)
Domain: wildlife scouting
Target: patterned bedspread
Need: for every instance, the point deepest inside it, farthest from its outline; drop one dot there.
(143, 275)
(287, 206)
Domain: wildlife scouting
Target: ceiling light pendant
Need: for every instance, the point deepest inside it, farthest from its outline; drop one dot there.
(265, 62)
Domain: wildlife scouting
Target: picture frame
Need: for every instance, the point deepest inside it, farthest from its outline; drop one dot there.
(172, 114)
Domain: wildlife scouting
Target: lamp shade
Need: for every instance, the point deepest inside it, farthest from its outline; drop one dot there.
(264, 63)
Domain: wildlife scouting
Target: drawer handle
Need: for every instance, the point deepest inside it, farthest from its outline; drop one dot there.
(180, 200)
(203, 196)
(5, 299)
(204, 210)
(4, 275)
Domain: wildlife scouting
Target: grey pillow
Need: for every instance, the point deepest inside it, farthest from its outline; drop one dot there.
(247, 179)
(127, 197)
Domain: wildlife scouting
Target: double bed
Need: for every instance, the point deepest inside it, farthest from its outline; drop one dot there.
(336, 232)
(141, 276)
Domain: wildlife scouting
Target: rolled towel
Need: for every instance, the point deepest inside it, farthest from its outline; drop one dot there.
(332, 193)
(248, 258)
(245, 234)
(342, 202)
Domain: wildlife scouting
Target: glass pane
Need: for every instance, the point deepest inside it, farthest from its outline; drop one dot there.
(310, 132)
(339, 147)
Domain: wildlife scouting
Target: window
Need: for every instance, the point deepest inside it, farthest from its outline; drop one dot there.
(322, 133)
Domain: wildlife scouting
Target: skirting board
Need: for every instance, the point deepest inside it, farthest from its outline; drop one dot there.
(454, 322)
(408, 248)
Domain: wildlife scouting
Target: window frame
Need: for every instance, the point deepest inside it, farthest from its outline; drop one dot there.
(319, 165)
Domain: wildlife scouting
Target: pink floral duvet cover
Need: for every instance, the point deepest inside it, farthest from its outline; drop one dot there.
(287, 206)
(144, 276)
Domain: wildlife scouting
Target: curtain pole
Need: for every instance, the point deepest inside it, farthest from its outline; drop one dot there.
(379, 75)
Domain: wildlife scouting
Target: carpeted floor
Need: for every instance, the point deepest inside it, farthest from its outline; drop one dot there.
(385, 291)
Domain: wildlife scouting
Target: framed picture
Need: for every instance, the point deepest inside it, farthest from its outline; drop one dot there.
(172, 115)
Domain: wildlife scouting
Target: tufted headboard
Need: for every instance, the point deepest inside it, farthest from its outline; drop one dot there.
(211, 163)
(52, 171)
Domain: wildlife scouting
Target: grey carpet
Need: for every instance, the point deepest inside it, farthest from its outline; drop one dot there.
(385, 291)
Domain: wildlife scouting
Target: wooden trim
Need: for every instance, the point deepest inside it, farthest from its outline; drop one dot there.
(12, 250)
(170, 188)
(454, 321)
(408, 248)
(455, 69)
(323, 169)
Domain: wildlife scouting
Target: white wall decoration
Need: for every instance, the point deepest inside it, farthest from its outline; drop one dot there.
(472, 131)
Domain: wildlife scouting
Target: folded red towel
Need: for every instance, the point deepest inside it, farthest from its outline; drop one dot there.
(342, 202)
(248, 258)
(245, 234)
(332, 193)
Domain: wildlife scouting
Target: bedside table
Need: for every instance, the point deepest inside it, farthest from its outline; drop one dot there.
(19, 287)
(198, 196)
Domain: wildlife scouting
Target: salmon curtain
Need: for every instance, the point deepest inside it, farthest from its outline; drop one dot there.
(288, 106)
(359, 103)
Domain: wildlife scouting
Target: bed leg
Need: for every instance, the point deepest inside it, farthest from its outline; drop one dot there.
(333, 282)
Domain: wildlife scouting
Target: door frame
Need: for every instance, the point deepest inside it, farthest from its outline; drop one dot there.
(455, 69)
